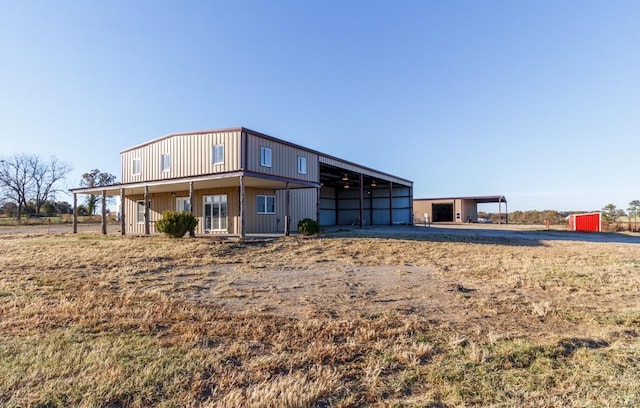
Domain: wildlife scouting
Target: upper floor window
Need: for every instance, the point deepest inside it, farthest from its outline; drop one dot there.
(302, 165)
(266, 204)
(265, 157)
(217, 154)
(136, 166)
(165, 164)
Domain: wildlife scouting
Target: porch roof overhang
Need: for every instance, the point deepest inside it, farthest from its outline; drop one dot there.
(477, 199)
(252, 180)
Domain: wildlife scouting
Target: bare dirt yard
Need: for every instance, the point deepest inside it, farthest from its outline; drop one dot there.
(406, 316)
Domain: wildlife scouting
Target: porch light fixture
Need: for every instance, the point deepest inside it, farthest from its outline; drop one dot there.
(173, 194)
(373, 183)
(346, 186)
(345, 177)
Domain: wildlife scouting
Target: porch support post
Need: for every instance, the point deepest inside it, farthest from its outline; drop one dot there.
(371, 206)
(287, 210)
(147, 229)
(193, 232)
(318, 207)
(103, 218)
(499, 211)
(242, 209)
(506, 213)
(123, 224)
(337, 206)
(361, 216)
(75, 213)
(391, 203)
(191, 197)
(411, 220)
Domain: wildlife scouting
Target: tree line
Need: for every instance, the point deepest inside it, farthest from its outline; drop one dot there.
(29, 184)
(611, 215)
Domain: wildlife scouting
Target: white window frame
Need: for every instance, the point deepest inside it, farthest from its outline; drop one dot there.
(135, 166)
(214, 150)
(302, 165)
(265, 204)
(181, 203)
(165, 162)
(140, 215)
(265, 156)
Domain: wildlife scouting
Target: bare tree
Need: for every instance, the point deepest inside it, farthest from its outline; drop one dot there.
(16, 180)
(95, 178)
(26, 176)
(45, 177)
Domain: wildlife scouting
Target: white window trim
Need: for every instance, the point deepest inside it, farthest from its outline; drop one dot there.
(264, 163)
(182, 200)
(162, 156)
(302, 159)
(133, 166)
(263, 211)
(213, 154)
(138, 220)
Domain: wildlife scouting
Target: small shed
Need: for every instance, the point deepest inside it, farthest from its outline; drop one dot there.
(589, 222)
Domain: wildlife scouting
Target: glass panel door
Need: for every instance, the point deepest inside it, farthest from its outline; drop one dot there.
(215, 213)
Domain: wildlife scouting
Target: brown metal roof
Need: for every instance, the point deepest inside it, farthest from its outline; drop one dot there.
(477, 199)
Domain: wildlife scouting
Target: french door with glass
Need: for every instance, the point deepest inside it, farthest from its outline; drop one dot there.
(215, 213)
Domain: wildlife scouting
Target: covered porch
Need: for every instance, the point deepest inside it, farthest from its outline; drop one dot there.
(136, 208)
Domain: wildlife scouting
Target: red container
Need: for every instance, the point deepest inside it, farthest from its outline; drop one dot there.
(585, 222)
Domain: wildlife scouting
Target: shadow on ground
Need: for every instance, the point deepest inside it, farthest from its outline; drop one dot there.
(510, 235)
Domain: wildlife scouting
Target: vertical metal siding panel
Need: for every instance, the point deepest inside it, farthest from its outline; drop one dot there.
(147, 172)
(131, 215)
(160, 202)
(302, 206)
(236, 151)
(199, 155)
(252, 163)
(192, 154)
(184, 156)
(173, 151)
(284, 159)
(257, 223)
(124, 168)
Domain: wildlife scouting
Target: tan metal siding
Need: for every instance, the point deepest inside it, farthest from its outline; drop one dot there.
(419, 209)
(262, 222)
(302, 205)
(284, 159)
(190, 156)
(469, 210)
(159, 204)
(233, 208)
(165, 201)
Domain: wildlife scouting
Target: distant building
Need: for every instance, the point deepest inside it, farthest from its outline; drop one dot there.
(454, 209)
(238, 181)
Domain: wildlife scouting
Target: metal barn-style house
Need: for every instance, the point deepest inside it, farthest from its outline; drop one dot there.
(237, 181)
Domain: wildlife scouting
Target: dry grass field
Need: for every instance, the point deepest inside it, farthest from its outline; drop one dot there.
(344, 320)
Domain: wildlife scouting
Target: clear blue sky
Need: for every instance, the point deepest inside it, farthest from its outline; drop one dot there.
(536, 100)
